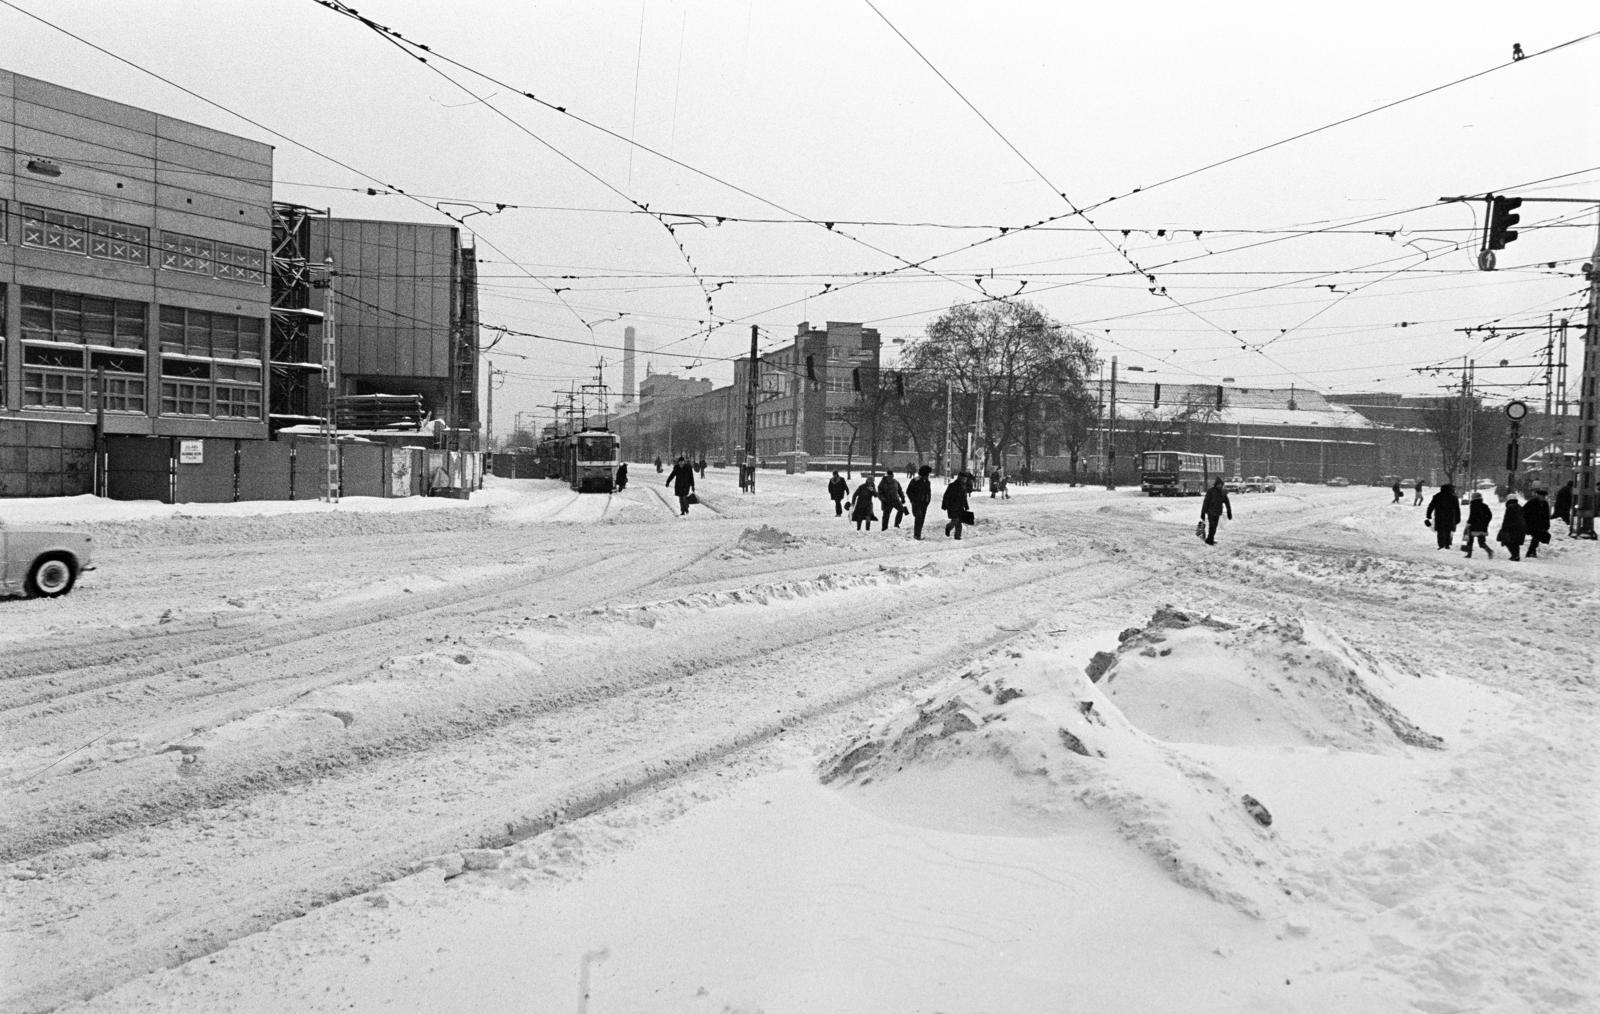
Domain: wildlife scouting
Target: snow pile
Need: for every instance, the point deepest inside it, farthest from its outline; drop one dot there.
(1201, 680)
(761, 541)
(1033, 745)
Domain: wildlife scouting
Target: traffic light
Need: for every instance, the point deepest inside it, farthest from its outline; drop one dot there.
(811, 368)
(900, 385)
(1502, 216)
(855, 377)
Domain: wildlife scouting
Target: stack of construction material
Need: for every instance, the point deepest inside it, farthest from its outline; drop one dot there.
(380, 411)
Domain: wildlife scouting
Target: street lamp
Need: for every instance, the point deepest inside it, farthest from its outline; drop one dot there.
(330, 386)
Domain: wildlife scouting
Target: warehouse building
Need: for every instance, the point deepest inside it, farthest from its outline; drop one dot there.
(134, 282)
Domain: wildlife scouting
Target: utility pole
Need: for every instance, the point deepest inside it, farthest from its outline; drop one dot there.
(1588, 404)
(1100, 424)
(750, 411)
(945, 440)
(488, 423)
(1111, 432)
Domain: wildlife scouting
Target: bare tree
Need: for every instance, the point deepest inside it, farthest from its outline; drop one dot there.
(1005, 356)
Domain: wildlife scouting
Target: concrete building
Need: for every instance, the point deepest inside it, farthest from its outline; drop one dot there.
(134, 274)
(404, 300)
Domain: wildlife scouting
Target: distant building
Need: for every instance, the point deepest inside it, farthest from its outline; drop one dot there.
(133, 282)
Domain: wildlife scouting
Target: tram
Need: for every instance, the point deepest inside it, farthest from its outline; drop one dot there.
(586, 460)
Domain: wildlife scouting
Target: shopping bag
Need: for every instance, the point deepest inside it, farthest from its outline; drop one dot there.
(967, 518)
(692, 498)
(1200, 529)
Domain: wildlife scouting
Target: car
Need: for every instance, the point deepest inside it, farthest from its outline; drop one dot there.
(1255, 484)
(1338, 480)
(1272, 483)
(1386, 480)
(42, 562)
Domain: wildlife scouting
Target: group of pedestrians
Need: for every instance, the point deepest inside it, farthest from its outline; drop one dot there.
(1519, 523)
(886, 494)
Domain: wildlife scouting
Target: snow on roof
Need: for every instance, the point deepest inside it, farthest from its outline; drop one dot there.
(1246, 406)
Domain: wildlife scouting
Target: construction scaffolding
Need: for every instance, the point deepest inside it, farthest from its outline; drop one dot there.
(293, 371)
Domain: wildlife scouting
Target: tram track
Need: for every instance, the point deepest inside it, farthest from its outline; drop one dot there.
(294, 866)
(362, 741)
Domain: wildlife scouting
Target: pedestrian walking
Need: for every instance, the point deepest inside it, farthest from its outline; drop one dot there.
(1417, 500)
(1397, 493)
(622, 477)
(994, 483)
(1211, 509)
(838, 489)
(1512, 527)
(1444, 514)
(1563, 506)
(955, 504)
(861, 504)
(681, 479)
(920, 492)
(658, 464)
(893, 500)
(1478, 517)
(1536, 519)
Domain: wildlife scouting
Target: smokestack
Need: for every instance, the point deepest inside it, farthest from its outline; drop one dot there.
(627, 366)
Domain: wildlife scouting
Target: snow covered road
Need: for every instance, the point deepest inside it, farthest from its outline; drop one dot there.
(241, 718)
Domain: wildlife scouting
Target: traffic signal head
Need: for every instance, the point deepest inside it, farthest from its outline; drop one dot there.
(855, 377)
(1502, 216)
(811, 368)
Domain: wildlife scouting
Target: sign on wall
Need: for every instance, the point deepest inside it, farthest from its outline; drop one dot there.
(191, 452)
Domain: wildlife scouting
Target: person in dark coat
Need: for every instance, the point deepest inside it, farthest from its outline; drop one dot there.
(1563, 507)
(1211, 509)
(955, 505)
(1536, 519)
(892, 499)
(1444, 514)
(920, 492)
(681, 479)
(861, 504)
(1416, 501)
(1478, 517)
(658, 464)
(1512, 528)
(994, 483)
(622, 477)
(838, 489)
(1397, 492)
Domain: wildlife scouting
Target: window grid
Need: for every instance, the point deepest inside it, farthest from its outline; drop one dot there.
(57, 316)
(53, 389)
(104, 238)
(199, 256)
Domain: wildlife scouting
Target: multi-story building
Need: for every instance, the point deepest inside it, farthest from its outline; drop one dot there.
(404, 301)
(134, 272)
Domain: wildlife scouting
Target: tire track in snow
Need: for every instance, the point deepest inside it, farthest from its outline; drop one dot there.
(311, 869)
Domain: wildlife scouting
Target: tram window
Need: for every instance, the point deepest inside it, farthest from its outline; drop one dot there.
(598, 449)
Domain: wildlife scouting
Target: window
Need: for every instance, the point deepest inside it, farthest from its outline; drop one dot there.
(184, 398)
(86, 235)
(199, 333)
(56, 316)
(199, 256)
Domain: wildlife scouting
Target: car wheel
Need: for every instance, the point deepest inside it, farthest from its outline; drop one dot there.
(52, 576)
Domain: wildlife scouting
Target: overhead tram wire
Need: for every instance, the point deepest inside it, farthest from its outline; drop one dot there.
(1348, 119)
(254, 123)
(340, 8)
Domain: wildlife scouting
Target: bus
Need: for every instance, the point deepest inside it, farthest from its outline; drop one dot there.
(1177, 473)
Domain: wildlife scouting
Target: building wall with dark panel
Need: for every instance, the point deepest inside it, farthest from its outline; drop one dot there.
(394, 292)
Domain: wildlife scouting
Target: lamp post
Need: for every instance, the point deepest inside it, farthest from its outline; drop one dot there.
(330, 386)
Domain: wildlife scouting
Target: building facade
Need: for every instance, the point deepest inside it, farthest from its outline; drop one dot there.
(134, 282)
(403, 298)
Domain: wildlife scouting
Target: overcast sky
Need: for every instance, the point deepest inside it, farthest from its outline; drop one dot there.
(901, 122)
